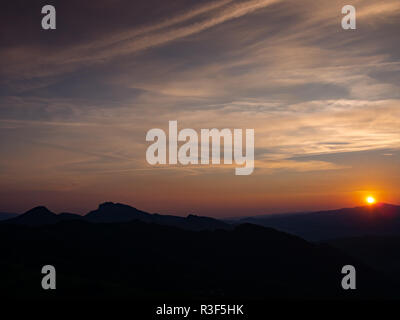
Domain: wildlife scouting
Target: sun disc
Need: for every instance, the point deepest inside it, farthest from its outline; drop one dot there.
(370, 200)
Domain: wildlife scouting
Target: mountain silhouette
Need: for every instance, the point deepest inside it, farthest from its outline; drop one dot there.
(40, 216)
(116, 212)
(110, 212)
(147, 261)
(380, 219)
(7, 215)
(36, 216)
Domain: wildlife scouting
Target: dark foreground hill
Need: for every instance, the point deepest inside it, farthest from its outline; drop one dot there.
(138, 260)
(380, 252)
(110, 212)
(380, 219)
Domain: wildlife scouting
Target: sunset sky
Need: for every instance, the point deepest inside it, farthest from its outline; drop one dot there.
(76, 103)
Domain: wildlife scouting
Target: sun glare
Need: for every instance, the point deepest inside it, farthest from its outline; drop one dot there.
(370, 200)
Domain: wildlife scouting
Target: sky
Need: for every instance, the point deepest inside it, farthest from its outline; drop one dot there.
(76, 103)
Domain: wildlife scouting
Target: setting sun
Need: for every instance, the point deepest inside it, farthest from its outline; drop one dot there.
(370, 200)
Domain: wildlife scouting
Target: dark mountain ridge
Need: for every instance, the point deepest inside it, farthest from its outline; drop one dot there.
(7, 215)
(110, 212)
(40, 216)
(379, 219)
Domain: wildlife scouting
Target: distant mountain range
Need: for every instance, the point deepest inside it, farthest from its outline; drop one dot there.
(110, 212)
(6, 215)
(378, 220)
